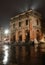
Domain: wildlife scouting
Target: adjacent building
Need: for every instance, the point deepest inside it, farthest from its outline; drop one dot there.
(25, 26)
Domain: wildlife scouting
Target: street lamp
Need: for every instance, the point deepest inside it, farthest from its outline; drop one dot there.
(6, 36)
(6, 32)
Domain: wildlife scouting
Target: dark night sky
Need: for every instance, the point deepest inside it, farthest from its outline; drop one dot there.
(10, 8)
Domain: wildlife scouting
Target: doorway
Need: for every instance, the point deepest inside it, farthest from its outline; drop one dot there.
(38, 35)
(27, 36)
(20, 38)
(14, 38)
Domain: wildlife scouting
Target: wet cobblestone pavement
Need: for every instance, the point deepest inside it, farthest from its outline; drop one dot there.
(21, 55)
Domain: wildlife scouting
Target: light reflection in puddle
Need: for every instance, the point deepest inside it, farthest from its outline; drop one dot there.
(5, 48)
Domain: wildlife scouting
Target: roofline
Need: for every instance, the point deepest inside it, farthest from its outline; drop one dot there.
(25, 12)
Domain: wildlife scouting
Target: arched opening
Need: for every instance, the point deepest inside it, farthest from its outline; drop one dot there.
(38, 35)
(20, 38)
(20, 35)
(27, 36)
(14, 38)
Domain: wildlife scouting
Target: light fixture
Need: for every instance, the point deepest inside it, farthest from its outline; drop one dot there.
(6, 31)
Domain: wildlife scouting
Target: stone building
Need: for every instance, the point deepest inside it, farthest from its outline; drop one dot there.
(25, 26)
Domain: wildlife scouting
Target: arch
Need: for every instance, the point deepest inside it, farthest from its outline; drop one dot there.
(37, 35)
(20, 38)
(27, 35)
(14, 38)
(20, 35)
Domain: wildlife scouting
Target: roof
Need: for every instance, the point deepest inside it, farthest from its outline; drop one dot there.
(30, 12)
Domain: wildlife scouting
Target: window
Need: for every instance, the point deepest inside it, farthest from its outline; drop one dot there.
(19, 24)
(26, 22)
(13, 25)
(37, 22)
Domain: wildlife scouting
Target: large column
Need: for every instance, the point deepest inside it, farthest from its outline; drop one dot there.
(32, 30)
(23, 35)
(30, 27)
(17, 36)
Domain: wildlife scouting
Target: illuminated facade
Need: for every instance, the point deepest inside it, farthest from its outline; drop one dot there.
(25, 26)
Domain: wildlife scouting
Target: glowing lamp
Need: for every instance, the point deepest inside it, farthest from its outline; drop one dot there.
(6, 31)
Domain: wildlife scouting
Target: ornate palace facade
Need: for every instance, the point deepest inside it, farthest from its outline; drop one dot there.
(25, 26)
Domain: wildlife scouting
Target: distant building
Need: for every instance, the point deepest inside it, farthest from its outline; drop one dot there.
(25, 26)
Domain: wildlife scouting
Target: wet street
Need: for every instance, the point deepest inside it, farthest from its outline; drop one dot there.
(22, 54)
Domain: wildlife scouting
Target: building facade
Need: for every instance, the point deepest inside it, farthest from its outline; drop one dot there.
(25, 26)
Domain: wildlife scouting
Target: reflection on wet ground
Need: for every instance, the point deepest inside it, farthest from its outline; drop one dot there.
(22, 55)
